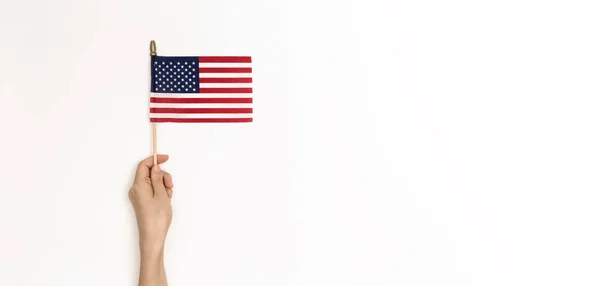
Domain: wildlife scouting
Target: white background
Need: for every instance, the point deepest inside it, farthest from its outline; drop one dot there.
(394, 143)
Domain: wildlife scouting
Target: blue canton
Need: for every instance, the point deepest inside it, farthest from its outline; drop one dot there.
(175, 75)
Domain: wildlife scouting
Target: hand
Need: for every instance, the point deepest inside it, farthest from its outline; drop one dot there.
(150, 196)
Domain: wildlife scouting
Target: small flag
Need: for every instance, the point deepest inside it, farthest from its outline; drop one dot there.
(201, 89)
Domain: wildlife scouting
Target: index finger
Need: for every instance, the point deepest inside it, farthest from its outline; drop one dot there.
(143, 169)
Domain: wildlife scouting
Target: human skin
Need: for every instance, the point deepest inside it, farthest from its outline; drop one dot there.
(150, 196)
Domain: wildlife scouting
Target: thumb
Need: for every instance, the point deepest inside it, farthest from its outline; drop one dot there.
(157, 178)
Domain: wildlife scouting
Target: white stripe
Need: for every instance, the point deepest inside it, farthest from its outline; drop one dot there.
(226, 75)
(201, 95)
(225, 65)
(200, 115)
(201, 105)
(225, 85)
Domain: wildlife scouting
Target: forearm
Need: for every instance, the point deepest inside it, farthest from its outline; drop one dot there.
(152, 267)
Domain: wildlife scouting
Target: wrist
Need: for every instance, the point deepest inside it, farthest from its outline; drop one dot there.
(151, 245)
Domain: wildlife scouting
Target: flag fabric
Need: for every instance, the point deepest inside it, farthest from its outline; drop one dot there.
(201, 89)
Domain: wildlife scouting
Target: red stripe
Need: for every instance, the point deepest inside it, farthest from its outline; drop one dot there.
(226, 90)
(200, 110)
(225, 70)
(201, 120)
(201, 100)
(204, 59)
(226, 80)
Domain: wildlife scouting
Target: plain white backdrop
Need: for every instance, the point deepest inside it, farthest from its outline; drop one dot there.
(419, 143)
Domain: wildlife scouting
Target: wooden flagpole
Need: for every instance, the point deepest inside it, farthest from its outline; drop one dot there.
(154, 148)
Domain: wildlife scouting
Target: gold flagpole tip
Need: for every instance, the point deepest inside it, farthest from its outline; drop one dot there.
(152, 48)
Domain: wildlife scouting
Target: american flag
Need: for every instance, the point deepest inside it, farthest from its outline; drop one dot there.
(201, 89)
